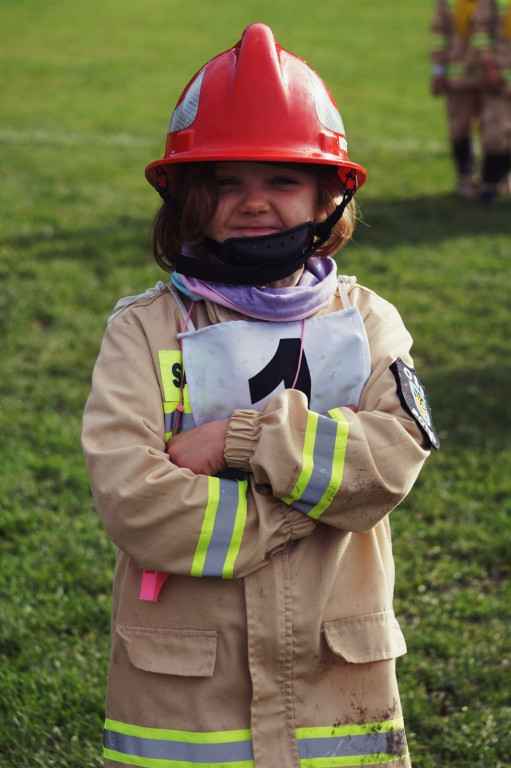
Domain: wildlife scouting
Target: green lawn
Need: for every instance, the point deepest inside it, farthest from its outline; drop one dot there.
(87, 92)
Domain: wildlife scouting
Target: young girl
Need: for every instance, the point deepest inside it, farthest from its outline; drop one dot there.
(250, 427)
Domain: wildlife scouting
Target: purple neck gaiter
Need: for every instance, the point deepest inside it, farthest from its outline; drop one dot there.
(312, 293)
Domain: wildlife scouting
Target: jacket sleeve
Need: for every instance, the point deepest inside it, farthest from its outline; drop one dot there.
(344, 469)
(164, 517)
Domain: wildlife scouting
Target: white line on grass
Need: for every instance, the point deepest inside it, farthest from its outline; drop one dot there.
(71, 139)
(41, 138)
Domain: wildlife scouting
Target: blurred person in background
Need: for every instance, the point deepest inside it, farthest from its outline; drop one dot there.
(457, 75)
(493, 41)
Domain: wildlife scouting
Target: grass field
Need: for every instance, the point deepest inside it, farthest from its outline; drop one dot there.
(87, 91)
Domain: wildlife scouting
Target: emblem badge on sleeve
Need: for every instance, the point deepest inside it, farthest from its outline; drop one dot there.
(414, 400)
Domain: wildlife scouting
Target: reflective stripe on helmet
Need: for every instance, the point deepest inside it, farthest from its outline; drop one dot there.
(326, 111)
(186, 111)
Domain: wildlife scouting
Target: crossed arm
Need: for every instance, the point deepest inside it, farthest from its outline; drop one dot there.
(202, 449)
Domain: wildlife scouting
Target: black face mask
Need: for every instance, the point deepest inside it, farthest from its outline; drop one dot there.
(265, 258)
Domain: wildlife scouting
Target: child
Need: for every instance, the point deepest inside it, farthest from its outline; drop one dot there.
(249, 429)
(493, 39)
(457, 75)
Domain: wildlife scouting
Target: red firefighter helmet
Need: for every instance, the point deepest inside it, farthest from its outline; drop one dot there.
(257, 102)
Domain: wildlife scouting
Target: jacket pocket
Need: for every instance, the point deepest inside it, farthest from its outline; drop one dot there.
(184, 652)
(362, 639)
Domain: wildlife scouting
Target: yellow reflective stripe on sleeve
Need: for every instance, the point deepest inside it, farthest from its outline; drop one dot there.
(481, 41)
(238, 530)
(338, 460)
(323, 457)
(307, 458)
(456, 70)
(222, 528)
(438, 42)
(207, 526)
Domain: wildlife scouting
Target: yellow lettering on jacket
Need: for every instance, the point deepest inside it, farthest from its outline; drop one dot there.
(175, 392)
(172, 375)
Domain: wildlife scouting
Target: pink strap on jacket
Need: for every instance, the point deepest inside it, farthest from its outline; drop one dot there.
(152, 582)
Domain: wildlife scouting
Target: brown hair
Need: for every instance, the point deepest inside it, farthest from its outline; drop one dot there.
(192, 199)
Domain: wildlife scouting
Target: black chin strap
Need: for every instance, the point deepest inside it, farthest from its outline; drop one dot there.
(266, 258)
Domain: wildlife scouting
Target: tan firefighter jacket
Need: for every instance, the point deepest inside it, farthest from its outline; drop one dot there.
(452, 51)
(288, 660)
(493, 36)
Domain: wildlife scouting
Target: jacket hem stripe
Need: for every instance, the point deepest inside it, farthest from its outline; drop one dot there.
(349, 746)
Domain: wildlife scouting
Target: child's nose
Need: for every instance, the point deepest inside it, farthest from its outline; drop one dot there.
(254, 200)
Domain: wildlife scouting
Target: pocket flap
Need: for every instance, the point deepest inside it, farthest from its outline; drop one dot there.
(361, 639)
(184, 652)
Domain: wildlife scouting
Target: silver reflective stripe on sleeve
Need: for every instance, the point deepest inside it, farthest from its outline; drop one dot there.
(222, 528)
(324, 453)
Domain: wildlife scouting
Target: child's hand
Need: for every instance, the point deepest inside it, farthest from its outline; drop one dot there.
(438, 85)
(200, 449)
(493, 76)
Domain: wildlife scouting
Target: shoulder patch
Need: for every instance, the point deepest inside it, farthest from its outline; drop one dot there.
(413, 399)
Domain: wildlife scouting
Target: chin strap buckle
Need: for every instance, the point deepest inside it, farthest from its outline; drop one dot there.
(324, 228)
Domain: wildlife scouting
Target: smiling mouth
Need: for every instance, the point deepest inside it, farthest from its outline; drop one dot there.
(254, 231)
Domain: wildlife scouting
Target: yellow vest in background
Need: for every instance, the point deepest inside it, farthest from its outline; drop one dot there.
(463, 14)
(506, 23)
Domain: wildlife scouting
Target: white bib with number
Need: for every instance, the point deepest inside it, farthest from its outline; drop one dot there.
(242, 364)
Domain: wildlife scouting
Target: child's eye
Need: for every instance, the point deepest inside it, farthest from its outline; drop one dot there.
(284, 181)
(225, 181)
